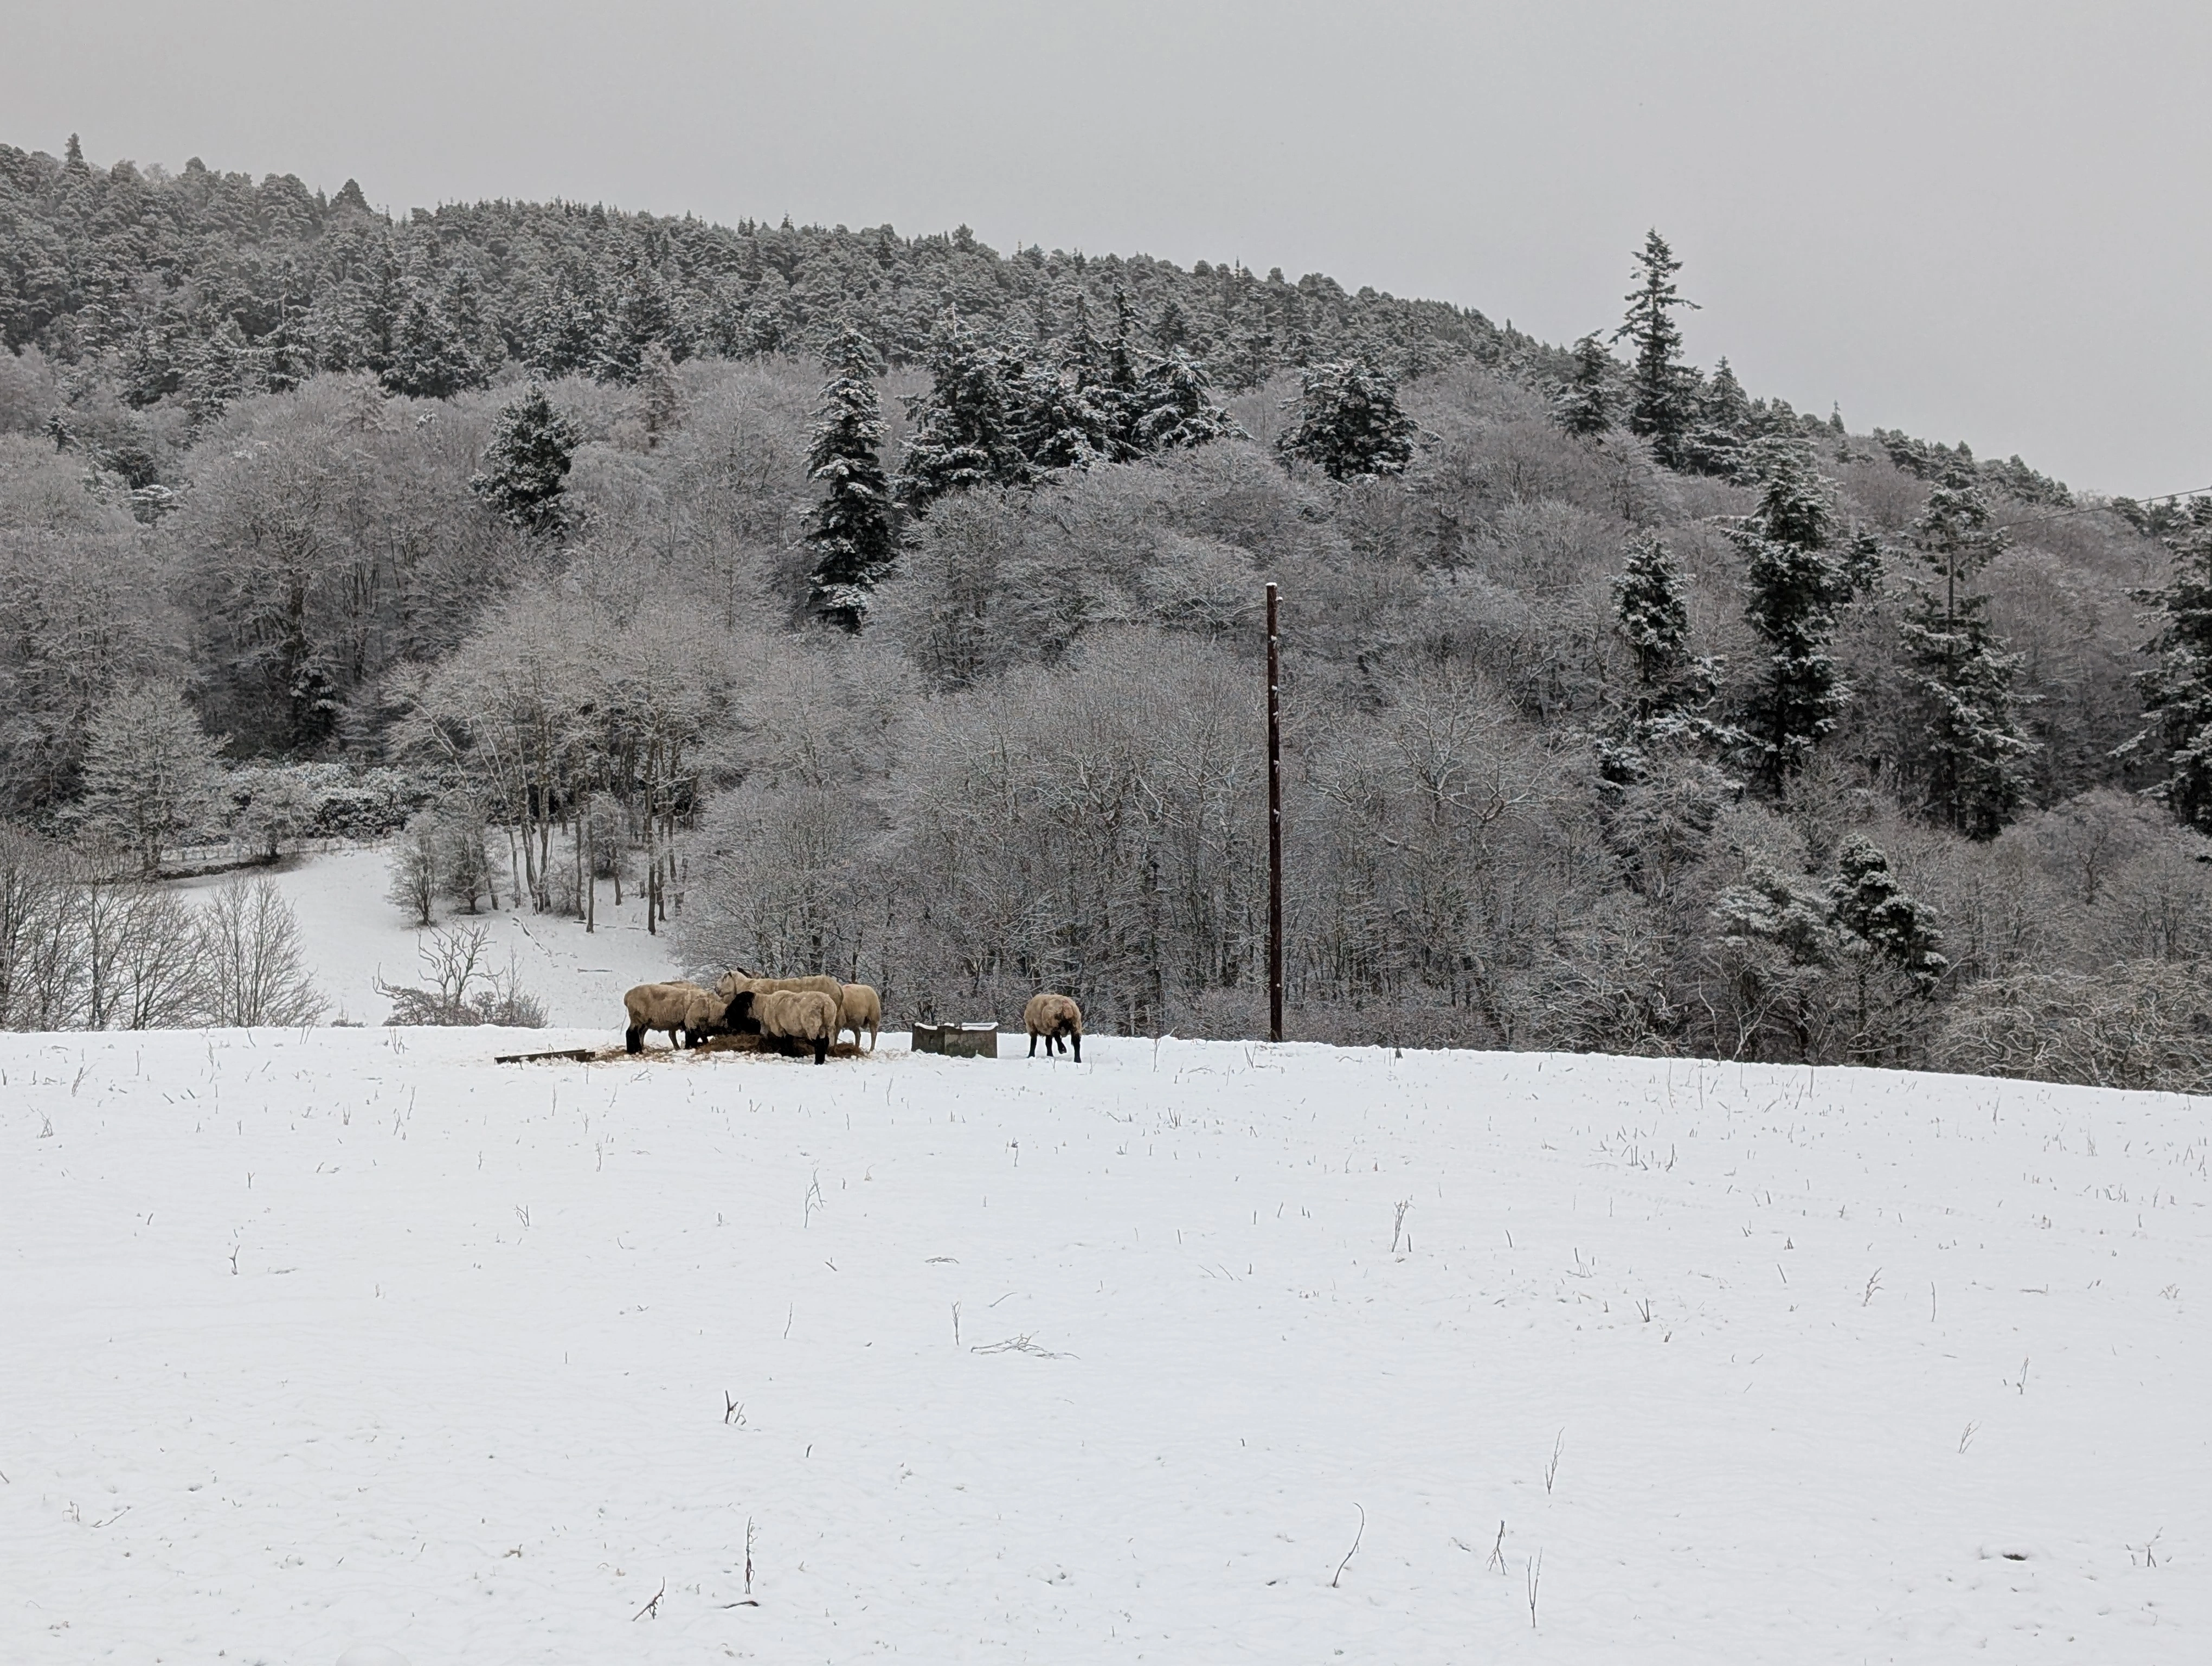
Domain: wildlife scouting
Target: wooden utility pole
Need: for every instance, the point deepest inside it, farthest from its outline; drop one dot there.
(1274, 835)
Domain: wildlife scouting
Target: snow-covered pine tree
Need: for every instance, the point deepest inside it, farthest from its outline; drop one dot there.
(1123, 374)
(1175, 407)
(964, 432)
(1585, 406)
(429, 360)
(1962, 748)
(2178, 689)
(659, 394)
(1650, 604)
(148, 368)
(562, 326)
(1348, 424)
(287, 351)
(1662, 390)
(1794, 588)
(1665, 708)
(220, 372)
(1171, 327)
(1723, 426)
(850, 530)
(1066, 415)
(641, 314)
(1660, 793)
(379, 311)
(1870, 909)
(463, 307)
(527, 464)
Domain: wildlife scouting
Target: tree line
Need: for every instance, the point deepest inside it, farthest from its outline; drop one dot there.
(1625, 710)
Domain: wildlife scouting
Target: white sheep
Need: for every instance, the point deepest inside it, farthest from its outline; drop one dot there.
(798, 1015)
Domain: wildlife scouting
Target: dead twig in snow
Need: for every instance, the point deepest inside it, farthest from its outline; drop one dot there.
(1873, 1283)
(1021, 1344)
(1354, 1551)
(1397, 1226)
(1552, 1469)
(651, 1610)
(734, 1411)
(1534, 1575)
(1498, 1551)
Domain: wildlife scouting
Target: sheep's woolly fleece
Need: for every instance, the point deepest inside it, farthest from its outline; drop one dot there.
(1189, 1352)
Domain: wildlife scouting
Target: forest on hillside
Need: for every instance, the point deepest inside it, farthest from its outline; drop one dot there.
(890, 606)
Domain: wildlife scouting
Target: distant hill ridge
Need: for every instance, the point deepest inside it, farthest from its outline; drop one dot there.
(157, 286)
(139, 267)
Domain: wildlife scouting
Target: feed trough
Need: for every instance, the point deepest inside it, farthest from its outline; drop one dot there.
(957, 1041)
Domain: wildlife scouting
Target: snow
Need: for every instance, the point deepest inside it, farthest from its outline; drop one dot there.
(352, 936)
(324, 1339)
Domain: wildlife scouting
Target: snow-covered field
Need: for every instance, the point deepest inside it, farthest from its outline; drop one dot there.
(318, 1339)
(352, 936)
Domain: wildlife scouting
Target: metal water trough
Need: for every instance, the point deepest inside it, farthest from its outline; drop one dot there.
(957, 1041)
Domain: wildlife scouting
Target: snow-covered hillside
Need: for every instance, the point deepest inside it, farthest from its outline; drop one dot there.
(351, 936)
(320, 1339)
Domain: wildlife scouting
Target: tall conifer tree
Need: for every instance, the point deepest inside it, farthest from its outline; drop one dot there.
(1665, 710)
(1794, 588)
(429, 360)
(526, 468)
(965, 432)
(1662, 390)
(221, 371)
(1348, 422)
(1723, 425)
(849, 530)
(2178, 689)
(1585, 406)
(1879, 921)
(1175, 407)
(1964, 747)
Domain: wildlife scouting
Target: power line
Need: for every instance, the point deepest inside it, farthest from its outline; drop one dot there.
(2086, 509)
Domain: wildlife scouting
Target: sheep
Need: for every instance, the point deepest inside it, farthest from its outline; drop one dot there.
(1056, 1018)
(683, 1010)
(801, 1015)
(859, 1006)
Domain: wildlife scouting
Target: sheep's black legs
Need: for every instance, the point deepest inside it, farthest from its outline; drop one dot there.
(633, 1041)
(821, 1051)
(1048, 1046)
(1078, 1047)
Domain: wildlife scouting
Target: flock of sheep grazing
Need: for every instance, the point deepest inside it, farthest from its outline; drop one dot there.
(794, 1014)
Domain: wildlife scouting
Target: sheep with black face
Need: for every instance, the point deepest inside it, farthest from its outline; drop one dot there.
(688, 1014)
(1055, 1019)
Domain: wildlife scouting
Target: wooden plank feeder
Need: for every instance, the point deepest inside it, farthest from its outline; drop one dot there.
(957, 1041)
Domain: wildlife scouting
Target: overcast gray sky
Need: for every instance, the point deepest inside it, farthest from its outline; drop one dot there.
(1973, 221)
